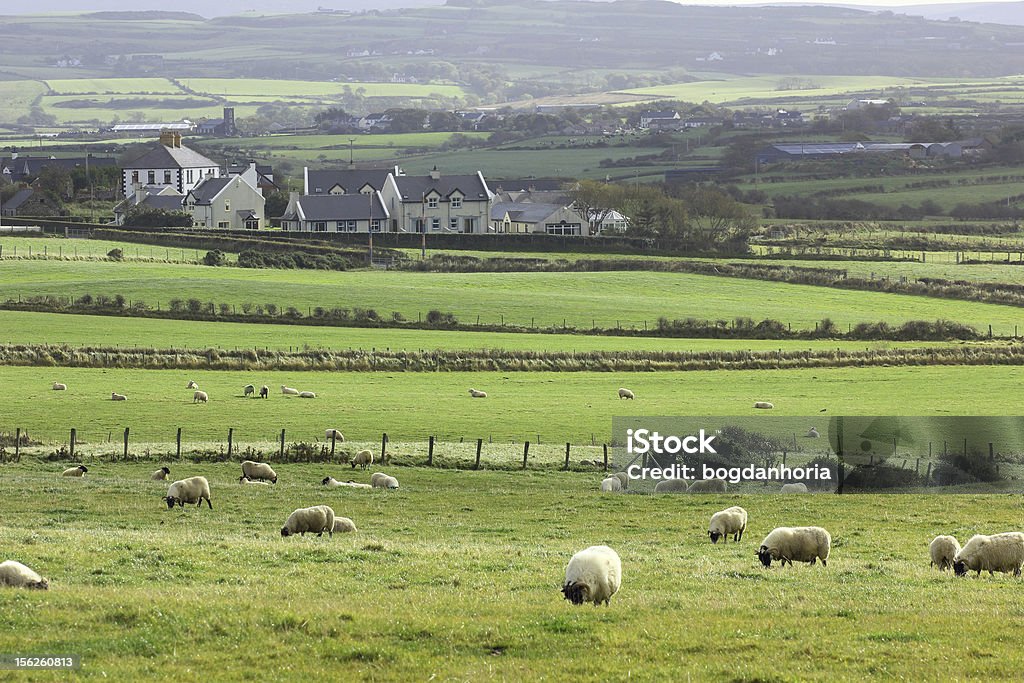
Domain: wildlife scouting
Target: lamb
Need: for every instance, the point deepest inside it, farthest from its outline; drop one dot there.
(611, 485)
(670, 486)
(707, 486)
(476, 393)
(997, 553)
(264, 391)
(799, 543)
(332, 482)
(728, 521)
(258, 471)
(623, 479)
(288, 391)
(336, 433)
(764, 405)
(315, 520)
(248, 390)
(76, 471)
(191, 384)
(344, 525)
(307, 394)
(363, 458)
(57, 386)
(942, 550)
(626, 393)
(191, 490)
(812, 433)
(593, 575)
(799, 487)
(19, 576)
(161, 474)
(200, 397)
(246, 480)
(114, 396)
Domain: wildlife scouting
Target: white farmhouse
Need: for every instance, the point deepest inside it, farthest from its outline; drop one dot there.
(168, 163)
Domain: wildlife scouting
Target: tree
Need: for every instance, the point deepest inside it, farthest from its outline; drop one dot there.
(56, 182)
(595, 201)
(720, 217)
(143, 216)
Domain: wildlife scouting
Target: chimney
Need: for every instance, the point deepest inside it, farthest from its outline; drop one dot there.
(140, 194)
(435, 174)
(14, 155)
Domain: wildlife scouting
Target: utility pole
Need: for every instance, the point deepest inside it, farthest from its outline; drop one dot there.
(351, 159)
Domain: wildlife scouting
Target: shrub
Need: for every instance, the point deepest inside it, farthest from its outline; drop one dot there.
(115, 254)
(214, 257)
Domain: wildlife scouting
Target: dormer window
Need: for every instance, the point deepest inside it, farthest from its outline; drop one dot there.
(456, 202)
(432, 202)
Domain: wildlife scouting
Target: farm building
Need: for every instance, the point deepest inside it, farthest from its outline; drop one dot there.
(660, 120)
(168, 163)
(336, 213)
(29, 202)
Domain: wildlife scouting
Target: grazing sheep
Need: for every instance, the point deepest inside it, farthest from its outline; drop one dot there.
(332, 482)
(996, 553)
(161, 474)
(114, 396)
(389, 483)
(363, 458)
(593, 575)
(623, 479)
(707, 486)
(377, 479)
(264, 391)
(307, 394)
(799, 543)
(191, 384)
(587, 463)
(670, 486)
(246, 480)
(191, 490)
(336, 433)
(315, 520)
(19, 576)
(626, 393)
(812, 433)
(728, 521)
(76, 471)
(57, 386)
(200, 397)
(248, 390)
(259, 471)
(476, 393)
(799, 487)
(344, 525)
(942, 550)
(288, 391)
(764, 405)
(611, 485)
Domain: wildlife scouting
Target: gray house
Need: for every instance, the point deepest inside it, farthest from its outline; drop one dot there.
(336, 213)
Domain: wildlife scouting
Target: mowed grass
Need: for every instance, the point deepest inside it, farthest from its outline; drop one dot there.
(578, 299)
(70, 248)
(457, 575)
(560, 407)
(16, 98)
(325, 89)
(80, 86)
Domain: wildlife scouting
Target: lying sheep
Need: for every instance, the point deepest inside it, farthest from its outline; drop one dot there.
(191, 384)
(114, 396)
(264, 391)
(812, 433)
(19, 576)
(476, 393)
(76, 471)
(764, 405)
(670, 486)
(728, 521)
(246, 480)
(288, 391)
(363, 458)
(344, 525)
(389, 483)
(626, 393)
(332, 482)
(707, 486)
(593, 575)
(315, 520)
(942, 550)
(260, 471)
(307, 394)
(611, 485)
(996, 553)
(200, 397)
(377, 480)
(335, 433)
(623, 479)
(191, 490)
(161, 474)
(799, 543)
(248, 390)
(57, 386)
(799, 487)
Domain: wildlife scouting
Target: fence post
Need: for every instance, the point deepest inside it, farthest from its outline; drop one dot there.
(178, 440)
(72, 449)
(917, 467)
(991, 452)
(430, 452)
(281, 453)
(605, 457)
(17, 445)
(384, 448)
(928, 475)
(479, 446)
(231, 433)
(334, 439)
(566, 456)
(126, 443)
(526, 452)
(783, 457)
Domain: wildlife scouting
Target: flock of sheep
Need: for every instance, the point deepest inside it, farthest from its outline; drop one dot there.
(199, 396)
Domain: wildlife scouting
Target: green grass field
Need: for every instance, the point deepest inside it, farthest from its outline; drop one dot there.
(457, 575)
(16, 98)
(233, 87)
(114, 86)
(49, 247)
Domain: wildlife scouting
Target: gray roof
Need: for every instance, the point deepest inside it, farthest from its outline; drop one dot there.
(413, 188)
(339, 207)
(524, 212)
(352, 180)
(19, 198)
(209, 188)
(162, 156)
(165, 202)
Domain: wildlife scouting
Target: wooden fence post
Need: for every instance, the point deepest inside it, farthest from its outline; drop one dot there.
(126, 443)
(231, 434)
(567, 456)
(384, 448)
(991, 452)
(605, 457)
(430, 452)
(526, 452)
(479, 446)
(72, 449)
(281, 453)
(178, 440)
(928, 475)
(17, 445)
(334, 439)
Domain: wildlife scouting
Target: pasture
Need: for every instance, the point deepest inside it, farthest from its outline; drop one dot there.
(457, 575)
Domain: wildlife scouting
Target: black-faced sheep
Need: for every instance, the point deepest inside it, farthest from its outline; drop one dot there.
(191, 384)
(799, 544)
(19, 576)
(730, 521)
(258, 471)
(248, 390)
(363, 458)
(191, 490)
(996, 553)
(942, 551)
(476, 393)
(593, 575)
(200, 397)
(76, 471)
(264, 391)
(626, 393)
(161, 474)
(114, 396)
(315, 520)
(57, 386)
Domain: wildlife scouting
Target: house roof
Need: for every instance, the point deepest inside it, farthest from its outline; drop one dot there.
(162, 156)
(337, 207)
(19, 198)
(351, 180)
(660, 115)
(472, 187)
(31, 166)
(207, 190)
(524, 212)
(165, 202)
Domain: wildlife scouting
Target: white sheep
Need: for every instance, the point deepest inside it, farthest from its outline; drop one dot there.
(19, 576)
(377, 479)
(315, 520)
(333, 483)
(57, 386)
(798, 487)
(76, 471)
(336, 433)
(476, 393)
(114, 396)
(307, 394)
(191, 490)
(161, 474)
(264, 391)
(344, 525)
(812, 433)
(200, 397)
(389, 483)
(246, 480)
(623, 479)
(260, 471)
(363, 458)
(728, 521)
(288, 391)
(670, 486)
(593, 575)
(248, 390)
(764, 405)
(626, 393)
(707, 486)
(611, 485)
(191, 384)
(997, 553)
(798, 543)
(942, 550)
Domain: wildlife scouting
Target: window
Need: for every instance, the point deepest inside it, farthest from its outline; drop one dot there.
(418, 225)
(350, 226)
(562, 228)
(456, 202)
(468, 225)
(320, 226)
(375, 225)
(152, 177)
(189, 175)
(227, 204)
(432, 202)
(435, 224)
(252, 224)
(135, 177)
(167, 177)
(223, 224)
(453, 224)
(318, 190)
